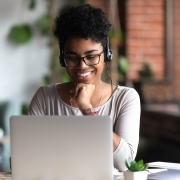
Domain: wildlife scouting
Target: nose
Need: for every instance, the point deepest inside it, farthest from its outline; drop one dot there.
(82, 63)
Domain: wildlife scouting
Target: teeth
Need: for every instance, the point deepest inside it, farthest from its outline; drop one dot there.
(84, 74)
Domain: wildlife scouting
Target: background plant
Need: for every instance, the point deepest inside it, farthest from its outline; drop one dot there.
(146, 72)
(123, 69)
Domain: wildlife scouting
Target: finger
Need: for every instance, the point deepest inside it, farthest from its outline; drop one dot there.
(76, 91)
(72, 92)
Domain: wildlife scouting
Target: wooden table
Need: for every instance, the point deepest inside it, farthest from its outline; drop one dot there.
(5, 176)
(4, 139)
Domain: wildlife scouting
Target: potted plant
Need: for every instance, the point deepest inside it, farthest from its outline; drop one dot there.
(136, 170)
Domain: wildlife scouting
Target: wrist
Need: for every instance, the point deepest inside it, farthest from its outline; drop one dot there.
(85, 106)
(89, 112)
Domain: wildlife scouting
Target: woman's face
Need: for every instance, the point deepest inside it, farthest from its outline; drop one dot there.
(76, 47)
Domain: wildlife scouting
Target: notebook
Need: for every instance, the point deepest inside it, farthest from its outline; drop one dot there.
(171, 171)
(61, 147)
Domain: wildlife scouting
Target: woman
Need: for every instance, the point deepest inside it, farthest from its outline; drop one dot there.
(82, 33)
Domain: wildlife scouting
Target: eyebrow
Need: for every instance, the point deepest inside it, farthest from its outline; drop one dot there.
(87, 52)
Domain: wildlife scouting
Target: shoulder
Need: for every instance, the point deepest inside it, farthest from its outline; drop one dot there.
(47, 88)
(126, 94)
(45, 91)
(122, 90)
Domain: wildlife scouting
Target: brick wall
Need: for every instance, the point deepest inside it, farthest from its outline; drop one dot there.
(176, 44)
(145, 36)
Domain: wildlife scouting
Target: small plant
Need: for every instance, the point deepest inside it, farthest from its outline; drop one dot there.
(134, 166)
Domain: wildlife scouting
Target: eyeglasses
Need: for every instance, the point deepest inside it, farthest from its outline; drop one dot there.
(89, 60)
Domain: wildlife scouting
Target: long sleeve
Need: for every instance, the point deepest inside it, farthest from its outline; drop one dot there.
(127, 127)
(38, 104)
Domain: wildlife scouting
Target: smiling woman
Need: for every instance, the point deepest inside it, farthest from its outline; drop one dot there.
(82, 32)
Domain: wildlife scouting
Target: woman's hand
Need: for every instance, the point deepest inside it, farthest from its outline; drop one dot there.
(82, 94)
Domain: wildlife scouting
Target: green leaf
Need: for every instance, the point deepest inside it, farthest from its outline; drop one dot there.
(32, 4)
(115, 34)
(20, 34)
(146, 72)
(47, 79)
(24, 109)
(140, 162)
(44, 24)
(127, 164)
(136, 166)
(145, 167)
(123, 64)
(66, 77)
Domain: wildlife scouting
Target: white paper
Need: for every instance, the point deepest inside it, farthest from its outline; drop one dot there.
(170, 174)
(156, 170)
(165, 165)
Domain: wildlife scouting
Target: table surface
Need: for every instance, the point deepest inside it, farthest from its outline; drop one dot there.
(8, 176)
(4, 139)
(5, 176)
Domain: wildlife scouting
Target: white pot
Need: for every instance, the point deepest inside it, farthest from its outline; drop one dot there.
(139, 175)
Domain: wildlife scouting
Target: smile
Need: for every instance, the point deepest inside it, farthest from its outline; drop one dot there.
(84, 74)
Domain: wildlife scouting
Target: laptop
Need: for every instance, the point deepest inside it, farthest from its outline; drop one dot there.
(61, 147)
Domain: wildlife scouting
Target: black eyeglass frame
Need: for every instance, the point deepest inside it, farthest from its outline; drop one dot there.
(82, 58)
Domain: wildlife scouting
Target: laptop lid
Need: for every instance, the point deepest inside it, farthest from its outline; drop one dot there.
(61, 147)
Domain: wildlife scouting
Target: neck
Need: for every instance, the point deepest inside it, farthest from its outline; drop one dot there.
(98, 94)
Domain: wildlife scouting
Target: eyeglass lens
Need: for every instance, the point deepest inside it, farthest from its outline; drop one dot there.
(88, 60)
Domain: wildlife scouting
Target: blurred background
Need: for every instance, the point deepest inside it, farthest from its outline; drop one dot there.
(145, 41)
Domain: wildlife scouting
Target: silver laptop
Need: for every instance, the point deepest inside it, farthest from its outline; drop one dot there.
(61, 147)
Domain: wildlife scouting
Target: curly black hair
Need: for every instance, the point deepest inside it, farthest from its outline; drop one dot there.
(84, 21)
